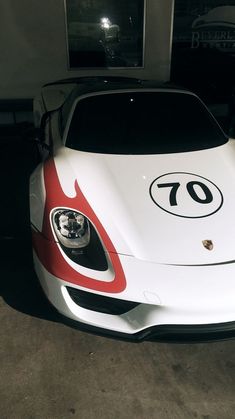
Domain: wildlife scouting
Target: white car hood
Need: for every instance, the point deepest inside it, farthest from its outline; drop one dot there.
(137, 214)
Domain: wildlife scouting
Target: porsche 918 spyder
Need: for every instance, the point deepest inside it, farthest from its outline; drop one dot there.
(133, 208)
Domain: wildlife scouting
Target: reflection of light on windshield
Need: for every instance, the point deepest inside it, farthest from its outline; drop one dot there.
(131, 100)
(105, 22)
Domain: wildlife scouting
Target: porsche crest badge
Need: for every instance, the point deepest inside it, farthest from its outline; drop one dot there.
(208, 244)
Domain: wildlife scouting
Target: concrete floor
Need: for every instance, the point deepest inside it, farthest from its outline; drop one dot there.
(51, 371)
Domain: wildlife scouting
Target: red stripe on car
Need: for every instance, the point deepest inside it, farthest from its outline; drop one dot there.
(47, 249)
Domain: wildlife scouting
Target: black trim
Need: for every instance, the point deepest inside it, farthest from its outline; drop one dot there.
(100, 303)
(164, 333)
(92, 256)
(95, 79)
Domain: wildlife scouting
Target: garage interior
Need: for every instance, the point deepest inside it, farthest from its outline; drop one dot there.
(48, 369)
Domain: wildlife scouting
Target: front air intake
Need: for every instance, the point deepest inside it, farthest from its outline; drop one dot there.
(100, 303)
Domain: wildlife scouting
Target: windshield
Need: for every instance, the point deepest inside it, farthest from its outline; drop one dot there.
(142, 123)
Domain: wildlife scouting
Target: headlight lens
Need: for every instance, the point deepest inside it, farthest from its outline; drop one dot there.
(78, 239)
(72, 228)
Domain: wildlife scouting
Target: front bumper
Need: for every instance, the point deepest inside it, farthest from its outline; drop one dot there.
(164, 333)
(193, 303)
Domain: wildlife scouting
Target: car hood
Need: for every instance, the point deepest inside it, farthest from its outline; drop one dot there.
(171, 209)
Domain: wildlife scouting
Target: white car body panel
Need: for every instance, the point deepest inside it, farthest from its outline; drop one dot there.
(168, 270)
(171, 303)
(137, 226)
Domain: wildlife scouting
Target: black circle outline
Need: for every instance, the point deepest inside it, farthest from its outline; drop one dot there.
(186, 173)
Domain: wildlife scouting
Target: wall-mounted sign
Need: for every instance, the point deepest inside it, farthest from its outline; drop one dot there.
(215, 29)
(203, 51)
(105, 33)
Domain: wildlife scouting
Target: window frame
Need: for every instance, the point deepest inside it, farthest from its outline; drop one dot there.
(93, 67)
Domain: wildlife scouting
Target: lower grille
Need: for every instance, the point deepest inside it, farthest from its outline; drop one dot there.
(100, 303)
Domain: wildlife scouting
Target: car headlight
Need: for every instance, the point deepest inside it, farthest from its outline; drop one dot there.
(79, 239)
(71, 228)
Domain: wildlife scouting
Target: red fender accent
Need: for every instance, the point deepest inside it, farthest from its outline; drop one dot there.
(47, 249)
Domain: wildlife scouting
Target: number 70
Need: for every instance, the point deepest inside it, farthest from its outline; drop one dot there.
(208, 197)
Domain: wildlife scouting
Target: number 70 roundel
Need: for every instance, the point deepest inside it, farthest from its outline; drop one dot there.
(186, 195)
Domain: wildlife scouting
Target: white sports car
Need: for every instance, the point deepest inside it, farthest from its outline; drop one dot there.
(133, 210)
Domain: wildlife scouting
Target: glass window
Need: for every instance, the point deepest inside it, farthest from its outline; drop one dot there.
(105, 33)
(143, 123)
(203, 49)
